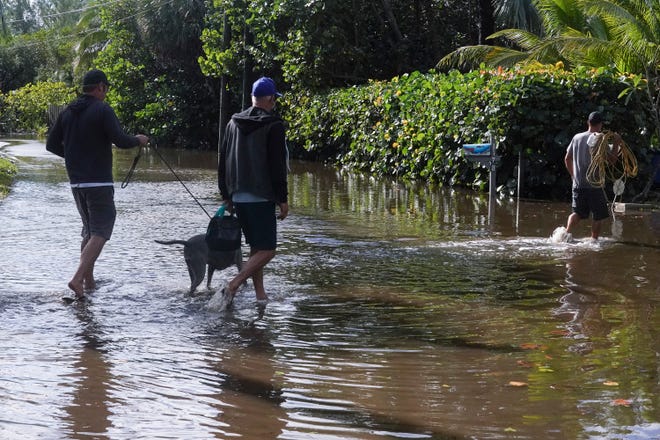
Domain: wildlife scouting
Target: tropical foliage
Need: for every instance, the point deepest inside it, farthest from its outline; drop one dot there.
(151, 60)
(624, 34)
(24, 109)
(413, 127)
(7, 172)
(321, 44)
(164, 57)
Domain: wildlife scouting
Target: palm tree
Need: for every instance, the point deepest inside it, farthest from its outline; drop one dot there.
(624, 34)
(3, 22)
(560, 19)
(517, 14)
(93, 38)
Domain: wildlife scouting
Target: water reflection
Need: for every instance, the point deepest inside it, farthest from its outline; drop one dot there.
(396, 312)
(250, 391)
(88, 414)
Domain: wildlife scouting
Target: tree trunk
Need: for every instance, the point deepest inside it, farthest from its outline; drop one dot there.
(486, 20)
(387, 7)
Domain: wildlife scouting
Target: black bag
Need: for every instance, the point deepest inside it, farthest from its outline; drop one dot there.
(223, 233)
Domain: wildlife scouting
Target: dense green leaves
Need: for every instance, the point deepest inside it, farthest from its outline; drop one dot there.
(592, 33)
(321, 44)
(24, 109)
(163, 57)
(151, 60)
(7, 172)
(414, 126)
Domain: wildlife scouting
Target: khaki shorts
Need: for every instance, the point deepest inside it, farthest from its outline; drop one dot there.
(96, 206)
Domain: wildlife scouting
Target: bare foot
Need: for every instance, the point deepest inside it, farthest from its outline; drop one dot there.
(222, 300)
(77, 288)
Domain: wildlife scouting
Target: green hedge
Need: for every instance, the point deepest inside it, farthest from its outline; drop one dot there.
(413, 127)
(25, 110)
(7, 172)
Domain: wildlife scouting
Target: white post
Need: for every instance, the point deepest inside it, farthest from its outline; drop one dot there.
(492, 183)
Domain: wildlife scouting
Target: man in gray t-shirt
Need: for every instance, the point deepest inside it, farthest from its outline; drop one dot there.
(587, 198)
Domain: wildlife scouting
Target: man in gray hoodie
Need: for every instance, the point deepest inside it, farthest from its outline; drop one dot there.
(83, 135)
(252, 179)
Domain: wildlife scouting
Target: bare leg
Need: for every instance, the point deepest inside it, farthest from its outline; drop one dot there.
(253, 268)
(88, 279)
(573, 220)
(258, 281)
(85, 273)
(596, 226)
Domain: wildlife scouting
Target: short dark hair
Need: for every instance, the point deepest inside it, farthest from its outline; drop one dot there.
(595, 117)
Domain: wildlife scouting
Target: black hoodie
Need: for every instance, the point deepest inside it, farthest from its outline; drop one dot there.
(253, 157)
(83, 135)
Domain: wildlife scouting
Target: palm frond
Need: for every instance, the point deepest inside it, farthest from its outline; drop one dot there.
(521, 14)
(505, 57)
(522, 38)
(558, 15)
(470, 57)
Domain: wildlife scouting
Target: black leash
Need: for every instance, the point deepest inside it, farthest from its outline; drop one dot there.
(129, 175)
(155, 148)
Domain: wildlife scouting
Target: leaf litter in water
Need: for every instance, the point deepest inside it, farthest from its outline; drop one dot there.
(622, 402)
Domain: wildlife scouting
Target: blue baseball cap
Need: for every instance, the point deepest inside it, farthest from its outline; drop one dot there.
(264, 86)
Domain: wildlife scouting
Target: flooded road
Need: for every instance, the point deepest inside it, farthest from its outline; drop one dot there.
(396, 313)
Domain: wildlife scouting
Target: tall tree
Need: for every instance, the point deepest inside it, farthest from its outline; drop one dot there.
(330, 43)
(486, 19)
(4, 31)
(151, 56)
(624, 34)
(23, 19)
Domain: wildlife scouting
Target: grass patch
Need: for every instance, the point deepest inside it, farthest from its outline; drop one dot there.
(7, 172)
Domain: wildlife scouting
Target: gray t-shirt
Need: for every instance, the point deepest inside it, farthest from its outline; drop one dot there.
(581, 159)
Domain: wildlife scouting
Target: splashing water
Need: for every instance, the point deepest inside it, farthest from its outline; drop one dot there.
(559, 235)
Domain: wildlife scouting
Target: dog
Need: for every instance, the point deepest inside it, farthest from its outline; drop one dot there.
(198, 257)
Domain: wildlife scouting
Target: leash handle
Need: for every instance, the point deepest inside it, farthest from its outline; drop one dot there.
(129, 175)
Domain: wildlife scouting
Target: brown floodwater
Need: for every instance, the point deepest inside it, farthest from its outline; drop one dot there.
(396, 312)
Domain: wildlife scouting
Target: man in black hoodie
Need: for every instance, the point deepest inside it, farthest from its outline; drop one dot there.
(252, 179)
(83, 135)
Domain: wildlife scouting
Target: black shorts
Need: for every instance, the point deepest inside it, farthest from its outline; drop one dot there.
(590, 200)
(259, 224)
(96, 206)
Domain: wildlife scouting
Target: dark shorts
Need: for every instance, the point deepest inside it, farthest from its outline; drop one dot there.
(590, 200)
(96, 206)
(259, 224)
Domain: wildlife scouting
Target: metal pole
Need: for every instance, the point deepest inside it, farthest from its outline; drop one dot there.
(491, 192)
(520, 174)
(492, 183)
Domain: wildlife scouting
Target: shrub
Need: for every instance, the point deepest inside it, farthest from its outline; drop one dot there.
(413, 126)
(7, 172)
(25, 109)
